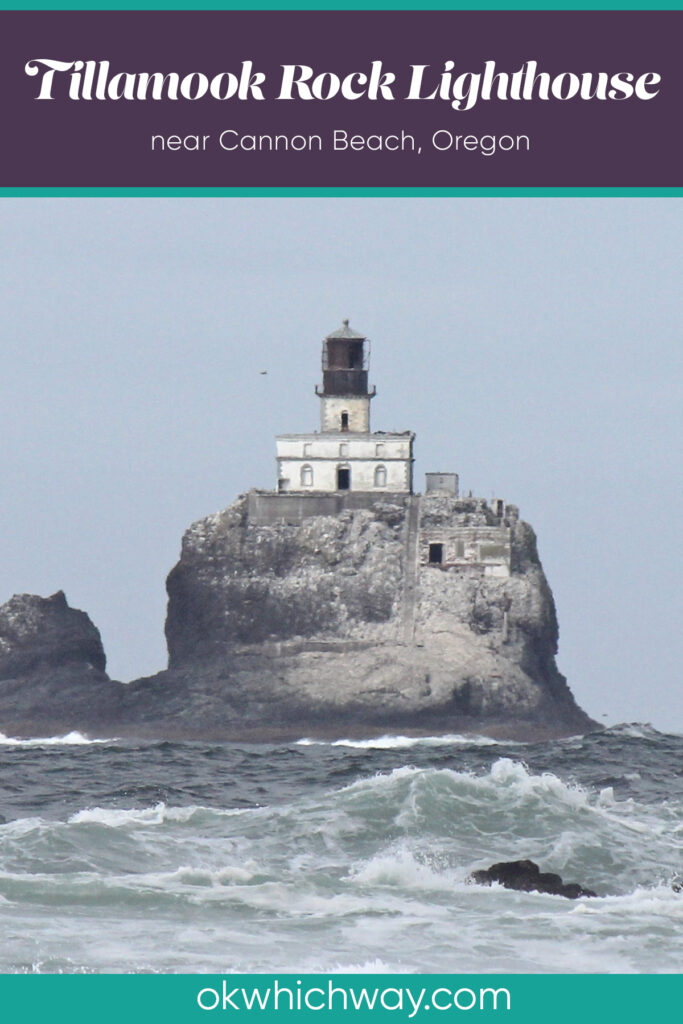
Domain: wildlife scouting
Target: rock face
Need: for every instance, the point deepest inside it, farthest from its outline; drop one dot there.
(52, 666)
(43, 632)
(325, 625)
(335, 623)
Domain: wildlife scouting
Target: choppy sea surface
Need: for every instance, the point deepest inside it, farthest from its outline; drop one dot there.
(348, 856)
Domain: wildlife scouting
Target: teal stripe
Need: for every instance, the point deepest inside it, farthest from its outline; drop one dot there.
(346, 193)
(343, 5)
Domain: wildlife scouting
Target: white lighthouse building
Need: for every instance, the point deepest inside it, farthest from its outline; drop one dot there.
(346, 455)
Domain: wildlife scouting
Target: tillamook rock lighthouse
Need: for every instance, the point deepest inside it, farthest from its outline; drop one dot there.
(340, 603)
(343, 602)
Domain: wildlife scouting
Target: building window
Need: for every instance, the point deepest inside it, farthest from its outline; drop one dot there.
(307, 448)
(379, 448)
(435, 554)
(343, 450)
(381, 476)
(343, 478)
(306, 476)
(345, 421)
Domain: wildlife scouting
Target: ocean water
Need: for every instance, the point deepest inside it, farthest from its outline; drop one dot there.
(349, 856)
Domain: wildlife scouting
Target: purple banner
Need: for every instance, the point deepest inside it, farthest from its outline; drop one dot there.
(342, 98)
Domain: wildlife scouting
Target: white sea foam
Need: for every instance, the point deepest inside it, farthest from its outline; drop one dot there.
(505, 776)
(659, 901)
(71, 739)
(383, 780)
(638, 731)
(159, 814)
(400, 868)
(230, 874)
(120, 817)
(20, 827)
(375, 966)
(192, 876)
(405, 742)
(509, 774)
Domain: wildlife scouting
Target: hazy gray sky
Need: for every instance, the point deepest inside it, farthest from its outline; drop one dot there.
(534, 345)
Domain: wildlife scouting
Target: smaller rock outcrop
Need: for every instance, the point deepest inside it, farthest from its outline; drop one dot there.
(52, 667)
(45, 632)
(526, 876)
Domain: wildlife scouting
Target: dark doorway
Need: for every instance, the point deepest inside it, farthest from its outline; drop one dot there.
(343, 479)
(435, 554)
(345, 421)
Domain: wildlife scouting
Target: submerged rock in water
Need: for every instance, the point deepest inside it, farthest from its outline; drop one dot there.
(526, 876)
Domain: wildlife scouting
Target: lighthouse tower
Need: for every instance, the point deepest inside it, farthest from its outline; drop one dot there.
(345, 398)
(345, 455)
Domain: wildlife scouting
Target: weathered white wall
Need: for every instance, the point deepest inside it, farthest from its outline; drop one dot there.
(328, 446)
(361, 454)
(363, 475)
(357, 406)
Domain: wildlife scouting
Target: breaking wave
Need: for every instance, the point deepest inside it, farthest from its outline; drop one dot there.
(405, 742)
(71, 739)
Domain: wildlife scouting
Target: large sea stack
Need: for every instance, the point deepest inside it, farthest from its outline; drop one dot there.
(340, 623)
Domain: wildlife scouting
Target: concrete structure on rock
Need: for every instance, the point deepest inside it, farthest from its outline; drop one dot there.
(345, 455)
